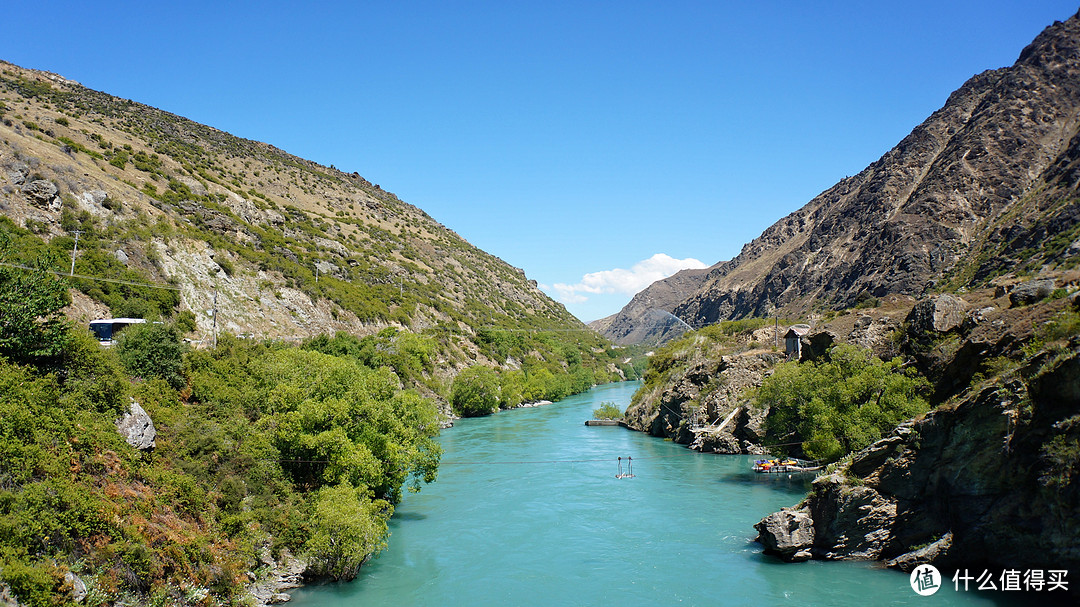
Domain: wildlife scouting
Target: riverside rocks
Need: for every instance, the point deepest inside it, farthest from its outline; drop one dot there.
(275, 577)
(988, 480)
(789, 534)
(703, 394)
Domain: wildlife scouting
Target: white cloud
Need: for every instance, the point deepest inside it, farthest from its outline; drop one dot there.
(626, 282)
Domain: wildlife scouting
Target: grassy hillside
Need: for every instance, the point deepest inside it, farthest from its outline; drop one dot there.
(278, 246)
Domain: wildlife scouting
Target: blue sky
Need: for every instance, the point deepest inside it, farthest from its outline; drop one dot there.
(597, 145)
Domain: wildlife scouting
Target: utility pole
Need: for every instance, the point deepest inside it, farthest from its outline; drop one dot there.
(215, 318)
(74, 250)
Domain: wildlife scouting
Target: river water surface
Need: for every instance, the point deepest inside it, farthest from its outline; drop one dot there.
(527, 511)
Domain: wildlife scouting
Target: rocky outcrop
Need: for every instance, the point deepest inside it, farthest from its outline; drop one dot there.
(939, 314)
(137, 428)
(788, 534)
(693, 404)
(42, 193)
(275, 577)
(991, 480)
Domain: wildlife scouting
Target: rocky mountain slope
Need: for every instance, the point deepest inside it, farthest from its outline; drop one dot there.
(647, 319)
(986, 186)
(279, 246)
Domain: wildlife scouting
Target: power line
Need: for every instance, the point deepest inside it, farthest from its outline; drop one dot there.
(112, 280)
(516, 463)
(569, 461)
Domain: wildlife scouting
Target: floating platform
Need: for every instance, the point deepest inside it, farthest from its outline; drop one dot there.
(606, 422)
(788, 466)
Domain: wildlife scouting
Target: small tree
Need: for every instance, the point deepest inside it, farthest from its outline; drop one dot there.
(347, 528)
(152, 350)
(475, 392)
(32, 328)
(833, 408)
(607, 410)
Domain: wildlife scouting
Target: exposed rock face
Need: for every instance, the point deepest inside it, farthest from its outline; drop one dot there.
(991, 481)
(694, 403)
(979, 188)
(850, 522)
(137, 428)
(42, 193)
(789, 534)
(938, 314)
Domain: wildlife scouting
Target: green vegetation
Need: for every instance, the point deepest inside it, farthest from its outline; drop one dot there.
(259, 447)
(607, 410)
(825, 410)
(32, 328)
(124, 300)
(152, 351)
(475, 392)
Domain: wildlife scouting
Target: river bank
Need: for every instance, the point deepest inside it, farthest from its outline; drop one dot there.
(527, 511)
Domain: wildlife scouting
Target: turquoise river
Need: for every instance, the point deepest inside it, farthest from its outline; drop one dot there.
(528, 511)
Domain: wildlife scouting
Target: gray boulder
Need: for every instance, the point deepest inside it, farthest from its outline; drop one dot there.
(939, 314)
(787, 533)
(17, 172)
(1031, 292)
(42, 193)
(78, 587)
(137, 428)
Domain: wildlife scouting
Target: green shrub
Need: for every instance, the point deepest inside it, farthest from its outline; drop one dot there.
(347, 529)
(832, 408)
(607, 410)
(475, 392)
(152, 350)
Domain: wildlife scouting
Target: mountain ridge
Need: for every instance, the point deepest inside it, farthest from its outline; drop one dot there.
(116, 163)
(964, 198)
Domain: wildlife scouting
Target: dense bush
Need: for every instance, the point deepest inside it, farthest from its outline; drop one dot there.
(262, 446)
(32, 328)
(831, 408)
(475, 392)
(152, 350)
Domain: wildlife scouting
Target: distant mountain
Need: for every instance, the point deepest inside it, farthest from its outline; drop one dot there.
(279, 246)
(986, 186)
(647, 318)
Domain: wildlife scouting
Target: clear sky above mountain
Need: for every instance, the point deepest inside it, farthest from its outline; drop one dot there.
(597, 145)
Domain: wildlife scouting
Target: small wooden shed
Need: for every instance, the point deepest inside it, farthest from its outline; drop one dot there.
(793, 341)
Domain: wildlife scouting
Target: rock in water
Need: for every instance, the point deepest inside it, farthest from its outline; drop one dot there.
(788, 533)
